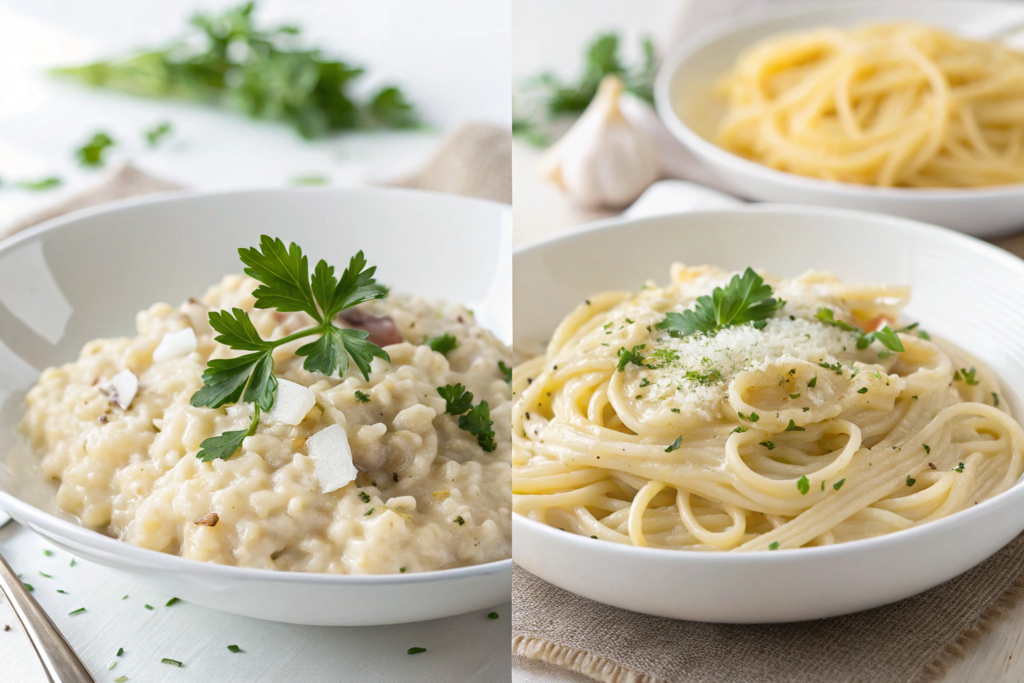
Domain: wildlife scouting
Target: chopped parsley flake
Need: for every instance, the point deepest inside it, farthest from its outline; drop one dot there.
(813, 382)
(927, 448)
(401, 570)
(492, 615)
(839, 484)
(235, 648)
(365, 498)
(704, 378)
(995, 399)
(836, 367)
(791, 427)
(120, 651)
(633, 356)
(768, 444)
(148, 606)
(172, 662)
(506, 370)
(676, 445)
(171, 602)
(968, 376)
(48, 553)
(803, 485)
(416, 650)
(774, 545)
(459, 520)
(361, 397)
(794, 396)
(77, 611)
(739, 430)
(911, 481)
(959, 468)
(862, 390)
(442, 343)
(369, 512)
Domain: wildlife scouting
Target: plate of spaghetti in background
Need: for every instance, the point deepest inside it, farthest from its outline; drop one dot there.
(863, 105)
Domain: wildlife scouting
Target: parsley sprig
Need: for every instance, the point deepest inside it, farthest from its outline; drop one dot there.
(745, 299)
(473, 419)
(287, 287)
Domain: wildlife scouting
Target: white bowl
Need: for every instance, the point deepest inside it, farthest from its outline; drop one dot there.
(86, 275)
(963, 289)
(687, 104)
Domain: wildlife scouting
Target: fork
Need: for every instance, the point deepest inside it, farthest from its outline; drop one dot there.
(60, 662)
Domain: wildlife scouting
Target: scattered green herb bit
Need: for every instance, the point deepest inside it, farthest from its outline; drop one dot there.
(813, 382)
(459, 520)
(836, 367)
(794, 396)
(753, 417)
(774, 545)
(120, 651)
(309, 180)
(369, 512)
(91, 153)
(862, 390)
(927, 449)
(112, 664)
(645, 382)
(805, 409)
(631, 356)
(125, 597)
(924, 335)
(227, 59)
(63, 592)
(77, 611)
(770, 445)
(235, 648)
(739, 430)
(457, 399)
(158, 132)
(506, 370)
(172, 662)
(541, 101)
(803, 484)
(839, 484)
(968, 376)
(148, 606)
(365, 498)
(28, 586)
(705, 378)
(885, 335)
(402, 570)
(171, 602)
(911, 481)
(744, 299)
(822, 484)
(674, 410)
(995, 399)
(825, 315)
(287, 287)
(120, 679)
(45, 574)
(478, 423)
(675, 445)
(48, 553)
(914, 397)
(594, 537)
(72, 563)
(394, 476)
(416, 650)
(791, 427)
(959, 468)
(442, 343)
(361, 397)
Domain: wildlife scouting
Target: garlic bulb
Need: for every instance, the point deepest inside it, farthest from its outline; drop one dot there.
(603, 160)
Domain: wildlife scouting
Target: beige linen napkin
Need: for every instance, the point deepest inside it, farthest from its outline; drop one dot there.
(473, 160)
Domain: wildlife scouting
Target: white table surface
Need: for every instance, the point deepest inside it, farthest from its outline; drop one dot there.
(452, 59)
(555, 34)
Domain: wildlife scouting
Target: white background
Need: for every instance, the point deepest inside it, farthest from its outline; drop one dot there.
(452, 59)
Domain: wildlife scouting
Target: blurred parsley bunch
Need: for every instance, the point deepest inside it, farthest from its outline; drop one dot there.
(264, 73)
(544, 99)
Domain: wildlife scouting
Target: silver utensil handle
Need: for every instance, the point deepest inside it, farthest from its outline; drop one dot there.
(59, 660)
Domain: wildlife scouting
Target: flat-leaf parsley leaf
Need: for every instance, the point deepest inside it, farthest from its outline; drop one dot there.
(745, 299)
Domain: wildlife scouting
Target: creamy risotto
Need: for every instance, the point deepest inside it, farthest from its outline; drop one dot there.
(427, 496)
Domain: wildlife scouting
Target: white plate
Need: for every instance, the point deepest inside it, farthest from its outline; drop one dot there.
(86, 275)
(687, 105)
(963, 289)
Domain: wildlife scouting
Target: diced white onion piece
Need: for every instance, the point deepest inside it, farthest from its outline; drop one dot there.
(292, 402)
(332, 458)
(175, 345)
(121, 389)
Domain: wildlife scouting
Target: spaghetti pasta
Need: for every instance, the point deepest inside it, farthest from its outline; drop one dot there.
(892, 105)
(795, 427)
